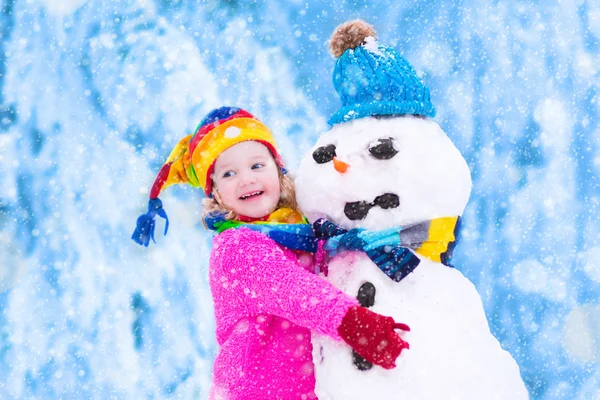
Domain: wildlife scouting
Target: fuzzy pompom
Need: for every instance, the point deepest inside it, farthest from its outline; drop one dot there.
(350, 35)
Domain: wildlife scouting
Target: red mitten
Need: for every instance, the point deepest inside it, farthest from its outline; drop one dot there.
(372, 336)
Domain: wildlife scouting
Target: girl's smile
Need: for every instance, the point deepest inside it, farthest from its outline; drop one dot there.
(251, 195)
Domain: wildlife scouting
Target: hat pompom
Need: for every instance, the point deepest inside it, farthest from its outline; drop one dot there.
(350, 35)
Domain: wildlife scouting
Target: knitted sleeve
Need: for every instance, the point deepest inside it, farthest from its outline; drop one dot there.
(251, 274)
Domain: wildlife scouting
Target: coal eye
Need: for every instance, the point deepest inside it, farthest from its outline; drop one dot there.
(383, 149)
(324, 154)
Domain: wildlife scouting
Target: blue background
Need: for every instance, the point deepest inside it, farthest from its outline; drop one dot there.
(94, 94)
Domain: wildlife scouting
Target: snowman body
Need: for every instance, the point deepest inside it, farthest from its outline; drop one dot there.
(452, 353)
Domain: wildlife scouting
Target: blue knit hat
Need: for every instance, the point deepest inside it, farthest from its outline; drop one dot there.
(373, 79)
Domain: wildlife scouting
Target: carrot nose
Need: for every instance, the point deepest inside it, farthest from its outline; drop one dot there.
(340, 166)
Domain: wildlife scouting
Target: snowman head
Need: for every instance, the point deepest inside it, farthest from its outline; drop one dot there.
(383, 164)
(383, 172)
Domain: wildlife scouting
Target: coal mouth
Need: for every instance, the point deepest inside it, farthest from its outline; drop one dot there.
(358, 210)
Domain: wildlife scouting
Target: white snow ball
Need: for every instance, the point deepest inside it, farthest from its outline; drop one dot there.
(232, 132)
(530, 276)
(582, 333)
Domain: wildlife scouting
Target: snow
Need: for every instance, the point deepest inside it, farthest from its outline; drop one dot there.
(372, 46)
(94, 95)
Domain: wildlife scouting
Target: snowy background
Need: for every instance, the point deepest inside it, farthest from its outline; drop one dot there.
(94, 94)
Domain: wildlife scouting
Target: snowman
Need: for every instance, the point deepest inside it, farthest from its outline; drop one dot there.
(391, 187)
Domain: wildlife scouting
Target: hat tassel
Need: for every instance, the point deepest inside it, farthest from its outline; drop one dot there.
(144, 230)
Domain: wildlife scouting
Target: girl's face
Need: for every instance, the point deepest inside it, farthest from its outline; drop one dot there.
(246, 179)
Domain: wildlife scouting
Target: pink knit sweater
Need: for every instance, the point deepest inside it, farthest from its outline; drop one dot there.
(266, 305)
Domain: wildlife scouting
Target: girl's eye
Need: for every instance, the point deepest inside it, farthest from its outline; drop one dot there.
(228, 174)
(324, 154)
(383, 149)
(257, 166)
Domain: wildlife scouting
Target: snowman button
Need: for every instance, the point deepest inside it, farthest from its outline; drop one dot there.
(366, 294)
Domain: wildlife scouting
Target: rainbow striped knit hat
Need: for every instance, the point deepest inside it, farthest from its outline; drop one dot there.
(193, 159)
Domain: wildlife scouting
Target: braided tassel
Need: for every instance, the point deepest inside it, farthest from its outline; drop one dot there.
(144, 230)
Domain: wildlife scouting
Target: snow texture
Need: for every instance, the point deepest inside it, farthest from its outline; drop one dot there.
(94, 94)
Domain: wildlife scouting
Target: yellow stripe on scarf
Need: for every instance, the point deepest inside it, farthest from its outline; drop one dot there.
(441, 234)
(286, 216)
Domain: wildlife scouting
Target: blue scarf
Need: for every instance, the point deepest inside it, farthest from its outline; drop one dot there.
(392, 249)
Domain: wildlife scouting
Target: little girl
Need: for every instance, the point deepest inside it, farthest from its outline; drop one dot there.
(267, 300)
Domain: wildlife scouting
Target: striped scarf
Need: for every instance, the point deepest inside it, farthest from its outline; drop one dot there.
(285, 226)
(392, 249)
